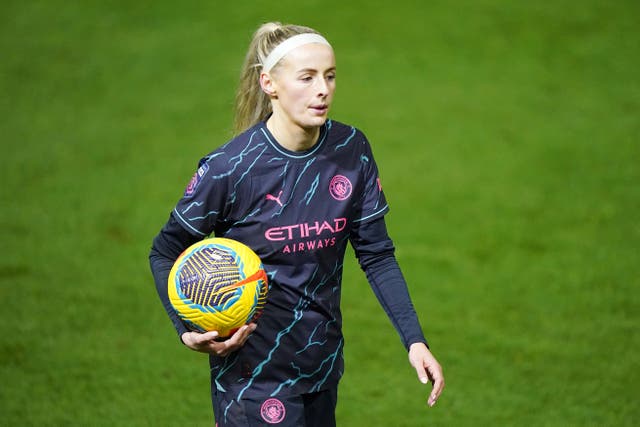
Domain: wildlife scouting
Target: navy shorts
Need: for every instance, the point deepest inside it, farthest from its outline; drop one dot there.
(306, 410)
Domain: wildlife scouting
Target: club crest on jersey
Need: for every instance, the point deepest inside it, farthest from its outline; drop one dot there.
(340, 187)
(195, 179)
(272, 411)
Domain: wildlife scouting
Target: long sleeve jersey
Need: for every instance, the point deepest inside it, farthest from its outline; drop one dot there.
(298, 211)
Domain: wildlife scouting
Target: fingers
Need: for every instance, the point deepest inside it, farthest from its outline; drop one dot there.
(239, 337)
(206, 336)
(438, 386)
(199, 341)
(206, 342)
(232, 344)
(437, 378)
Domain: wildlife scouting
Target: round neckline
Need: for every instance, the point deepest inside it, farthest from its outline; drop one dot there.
(295, 154)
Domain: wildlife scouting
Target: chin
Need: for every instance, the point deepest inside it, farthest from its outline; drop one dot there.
(317, 121)
(311, 121)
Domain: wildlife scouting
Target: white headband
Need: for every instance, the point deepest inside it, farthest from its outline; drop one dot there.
(288, 45)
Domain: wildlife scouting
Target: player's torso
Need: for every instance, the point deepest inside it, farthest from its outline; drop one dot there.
(295, 208)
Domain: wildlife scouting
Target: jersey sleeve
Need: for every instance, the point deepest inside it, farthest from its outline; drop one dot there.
(373, 204)
(375, 252)
(204, 197)
(166, 248)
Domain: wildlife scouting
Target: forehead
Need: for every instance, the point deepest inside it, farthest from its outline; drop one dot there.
(310, 56)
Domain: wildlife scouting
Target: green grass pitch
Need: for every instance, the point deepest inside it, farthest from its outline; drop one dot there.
(508, 136)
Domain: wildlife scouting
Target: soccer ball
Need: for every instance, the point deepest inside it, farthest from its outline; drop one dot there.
(218, 284)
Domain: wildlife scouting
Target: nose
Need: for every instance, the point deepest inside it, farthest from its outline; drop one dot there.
(323, 87)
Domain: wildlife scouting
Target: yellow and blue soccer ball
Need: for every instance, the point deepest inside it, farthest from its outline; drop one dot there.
(218, 284)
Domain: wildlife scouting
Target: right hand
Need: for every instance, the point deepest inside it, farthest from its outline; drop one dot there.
(206, 342)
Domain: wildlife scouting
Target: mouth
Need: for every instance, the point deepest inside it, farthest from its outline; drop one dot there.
(320, 109)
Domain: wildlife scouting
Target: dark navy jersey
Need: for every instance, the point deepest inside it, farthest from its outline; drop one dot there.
(297, 211)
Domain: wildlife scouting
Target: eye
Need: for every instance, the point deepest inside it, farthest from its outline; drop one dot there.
(331, 77)
(306, 78)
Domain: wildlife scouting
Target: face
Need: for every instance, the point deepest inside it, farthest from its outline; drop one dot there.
(302, 85)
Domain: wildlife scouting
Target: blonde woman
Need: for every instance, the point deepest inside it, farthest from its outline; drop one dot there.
(296, 187)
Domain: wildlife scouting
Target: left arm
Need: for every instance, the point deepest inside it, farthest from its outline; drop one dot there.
(375, 252)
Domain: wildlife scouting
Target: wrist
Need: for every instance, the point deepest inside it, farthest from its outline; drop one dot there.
(418, 345)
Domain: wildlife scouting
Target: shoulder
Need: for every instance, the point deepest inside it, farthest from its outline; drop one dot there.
(339, 129)
(227, 157)
(344, 136)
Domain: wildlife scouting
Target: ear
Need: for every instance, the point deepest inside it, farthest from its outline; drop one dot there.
(267, 84)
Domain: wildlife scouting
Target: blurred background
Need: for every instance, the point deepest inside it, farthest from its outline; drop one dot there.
(508, 138)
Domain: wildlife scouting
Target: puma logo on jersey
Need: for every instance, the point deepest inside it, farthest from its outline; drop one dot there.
(274, 198)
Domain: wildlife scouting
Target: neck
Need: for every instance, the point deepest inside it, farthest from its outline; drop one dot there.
(291, 136)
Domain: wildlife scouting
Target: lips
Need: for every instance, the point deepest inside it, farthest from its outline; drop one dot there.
(320, 109)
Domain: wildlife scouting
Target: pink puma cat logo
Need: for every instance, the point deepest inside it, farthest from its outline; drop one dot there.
(274, 198)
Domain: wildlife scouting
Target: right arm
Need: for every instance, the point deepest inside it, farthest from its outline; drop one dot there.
(167, 246)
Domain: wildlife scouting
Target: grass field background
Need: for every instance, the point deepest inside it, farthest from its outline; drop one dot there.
(508, 136)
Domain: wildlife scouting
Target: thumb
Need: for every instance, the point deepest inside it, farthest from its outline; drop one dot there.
(208, 336)
(421, 372)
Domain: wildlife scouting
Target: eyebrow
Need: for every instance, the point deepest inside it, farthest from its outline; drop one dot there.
(307, 70)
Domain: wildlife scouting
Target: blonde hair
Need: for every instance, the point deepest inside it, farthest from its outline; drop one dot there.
(252, 104)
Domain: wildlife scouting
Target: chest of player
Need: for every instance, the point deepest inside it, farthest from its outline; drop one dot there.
(300, 206)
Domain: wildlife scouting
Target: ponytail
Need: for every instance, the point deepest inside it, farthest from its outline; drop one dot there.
(252, 104)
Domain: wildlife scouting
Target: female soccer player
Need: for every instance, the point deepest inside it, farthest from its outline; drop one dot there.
(297, 188)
